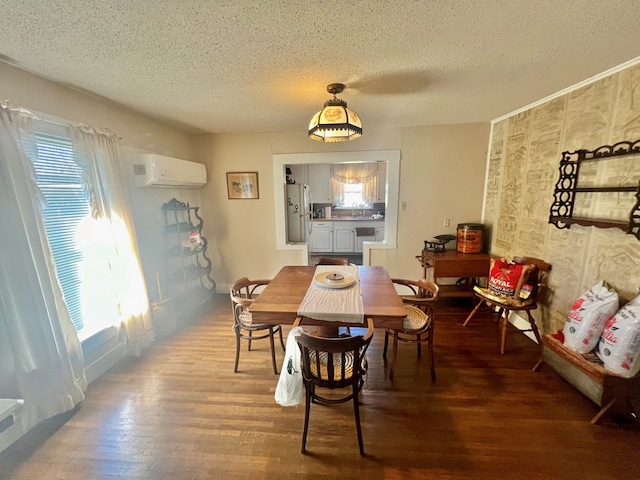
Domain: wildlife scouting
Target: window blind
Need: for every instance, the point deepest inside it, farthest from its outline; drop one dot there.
(60, 181)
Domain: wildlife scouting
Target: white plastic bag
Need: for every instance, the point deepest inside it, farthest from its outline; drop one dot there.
(289, 388)
(588, 316)
(619, 347)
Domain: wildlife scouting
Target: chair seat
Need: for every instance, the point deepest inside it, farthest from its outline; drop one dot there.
(246, 318)
(511, 302)
(337, 365)
(416, 319)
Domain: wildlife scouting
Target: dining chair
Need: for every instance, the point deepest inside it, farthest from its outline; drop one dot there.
(333, 261)
(243, 292)
(505, 305)
(419, 297)
(330, 364)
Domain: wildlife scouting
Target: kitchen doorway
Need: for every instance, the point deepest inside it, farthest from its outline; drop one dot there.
(392, 161)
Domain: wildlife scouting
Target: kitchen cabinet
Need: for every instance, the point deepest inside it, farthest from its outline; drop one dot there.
(321, 237)
(299, 173)
(340, 236)
(320, 182)
(360, 242)
(343, 238)
(381, 183)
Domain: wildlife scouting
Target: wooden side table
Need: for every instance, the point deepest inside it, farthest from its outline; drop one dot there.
(453, 264)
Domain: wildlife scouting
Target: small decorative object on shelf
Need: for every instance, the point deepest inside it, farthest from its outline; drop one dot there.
(567, 207)
(188, 283)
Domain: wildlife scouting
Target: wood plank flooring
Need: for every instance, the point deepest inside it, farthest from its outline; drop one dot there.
(179, 412)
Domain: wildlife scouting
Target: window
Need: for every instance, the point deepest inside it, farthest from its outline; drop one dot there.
(353, 196)
(70, 232)
(354, 184)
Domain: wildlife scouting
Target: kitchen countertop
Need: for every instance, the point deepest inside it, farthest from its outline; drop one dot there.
(348, 219)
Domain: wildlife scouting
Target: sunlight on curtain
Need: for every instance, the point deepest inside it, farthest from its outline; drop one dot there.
(113, 221)
(344, 174)
(49, 365)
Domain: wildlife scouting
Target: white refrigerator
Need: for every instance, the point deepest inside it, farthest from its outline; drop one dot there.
(299, 214)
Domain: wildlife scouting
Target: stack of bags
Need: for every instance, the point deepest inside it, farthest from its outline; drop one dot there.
(596, 323)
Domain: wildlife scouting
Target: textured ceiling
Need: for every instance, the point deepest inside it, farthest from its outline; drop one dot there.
(261, 66)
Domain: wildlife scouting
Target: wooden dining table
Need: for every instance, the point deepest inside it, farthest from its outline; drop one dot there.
(279, 301)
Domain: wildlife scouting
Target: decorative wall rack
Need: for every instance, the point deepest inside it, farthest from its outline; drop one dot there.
(562, 209)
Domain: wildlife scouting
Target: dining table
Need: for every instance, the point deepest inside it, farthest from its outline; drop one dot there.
(280, 301)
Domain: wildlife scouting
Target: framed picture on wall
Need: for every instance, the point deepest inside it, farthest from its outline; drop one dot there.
(242, 185)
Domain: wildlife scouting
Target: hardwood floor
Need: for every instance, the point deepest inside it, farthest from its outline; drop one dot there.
(179, 412)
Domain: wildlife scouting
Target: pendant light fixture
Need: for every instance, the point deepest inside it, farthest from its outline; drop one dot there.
(335, 122)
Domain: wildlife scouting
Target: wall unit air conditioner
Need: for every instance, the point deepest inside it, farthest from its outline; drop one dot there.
(153, 170)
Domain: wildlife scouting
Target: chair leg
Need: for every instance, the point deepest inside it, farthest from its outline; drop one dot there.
(505, 322)
(281, 341)
(473, 312)
(305, 428)
(386, 344)
(356, 411)
(235, 368)
(419, 343)
(603, 410)
(394, 354)
(273, 350)
(534, 328)
(249, 344)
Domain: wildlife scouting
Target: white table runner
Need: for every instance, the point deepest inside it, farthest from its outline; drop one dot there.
(334, 304)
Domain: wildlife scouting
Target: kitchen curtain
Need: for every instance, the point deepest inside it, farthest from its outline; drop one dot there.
(354, 173)
(48, 364)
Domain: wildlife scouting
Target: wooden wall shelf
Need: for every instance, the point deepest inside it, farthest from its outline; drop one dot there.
(562, 210)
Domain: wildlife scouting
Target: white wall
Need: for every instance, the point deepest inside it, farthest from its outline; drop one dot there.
(441, 176)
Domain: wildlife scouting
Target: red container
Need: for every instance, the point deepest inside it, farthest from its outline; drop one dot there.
(470, 237)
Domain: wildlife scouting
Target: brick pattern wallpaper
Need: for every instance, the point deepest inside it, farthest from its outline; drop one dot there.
(525, 152)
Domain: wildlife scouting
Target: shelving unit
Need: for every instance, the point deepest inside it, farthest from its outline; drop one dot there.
(187, 283)
(562, 210)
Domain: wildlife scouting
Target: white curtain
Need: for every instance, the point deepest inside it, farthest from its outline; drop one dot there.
(354, 173)
(113, 232)
(49, 365)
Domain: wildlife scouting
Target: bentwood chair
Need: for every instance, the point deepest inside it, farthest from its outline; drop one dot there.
(243, 291)
(333, 363)
(333, 261)
(418, 297)
(505, 305)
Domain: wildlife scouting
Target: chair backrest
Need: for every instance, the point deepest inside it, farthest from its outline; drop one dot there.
(334, 362)
(538, 277)
(243, 292)
(423, 292)
(333, 261)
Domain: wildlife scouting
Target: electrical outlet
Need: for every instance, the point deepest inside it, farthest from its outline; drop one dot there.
(446, 222)
(404, 205)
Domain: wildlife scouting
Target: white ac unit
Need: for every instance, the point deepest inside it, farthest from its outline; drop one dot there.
(153, 170)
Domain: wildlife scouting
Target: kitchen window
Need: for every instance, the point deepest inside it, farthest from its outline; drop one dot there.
(354, 185)
(353, 196)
